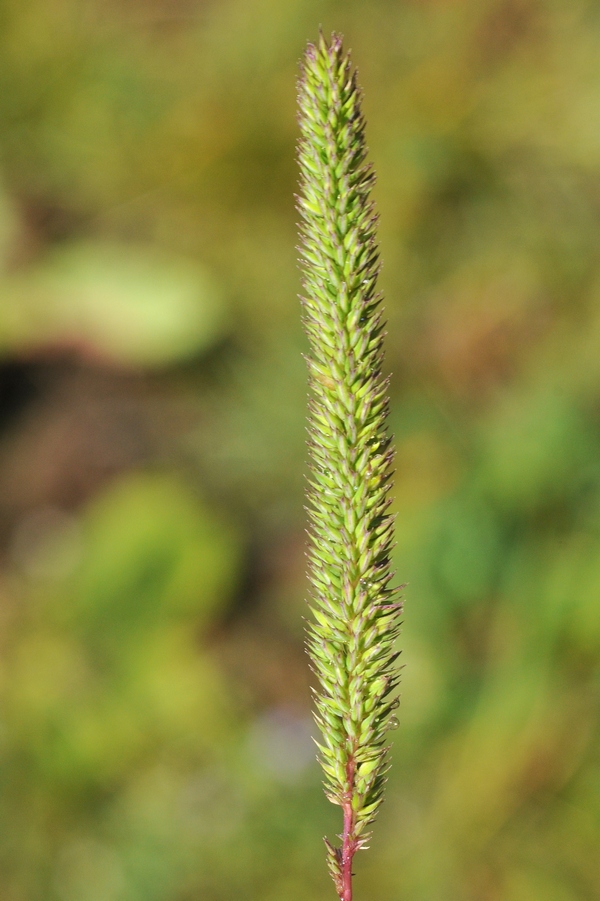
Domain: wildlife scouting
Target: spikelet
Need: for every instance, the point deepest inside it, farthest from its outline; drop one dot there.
(355, 610)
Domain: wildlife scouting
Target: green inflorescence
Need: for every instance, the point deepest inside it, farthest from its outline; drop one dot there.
(356, 610)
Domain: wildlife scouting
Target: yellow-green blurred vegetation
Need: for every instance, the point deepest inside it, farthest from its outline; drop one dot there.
(154, 692)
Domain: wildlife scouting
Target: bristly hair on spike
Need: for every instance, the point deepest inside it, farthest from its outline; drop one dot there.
(352, 635)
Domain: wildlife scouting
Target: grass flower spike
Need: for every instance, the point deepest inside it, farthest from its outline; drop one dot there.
(355, 609)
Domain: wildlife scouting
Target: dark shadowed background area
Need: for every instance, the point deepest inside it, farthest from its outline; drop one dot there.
(154, 692)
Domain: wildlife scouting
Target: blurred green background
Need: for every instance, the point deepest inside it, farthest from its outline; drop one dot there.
(154, 693)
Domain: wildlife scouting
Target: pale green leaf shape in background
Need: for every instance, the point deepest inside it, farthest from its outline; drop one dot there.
(129, 304)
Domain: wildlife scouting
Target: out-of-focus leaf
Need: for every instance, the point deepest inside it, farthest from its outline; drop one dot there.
(153, 553)
(538, 449)
(115, 670)
(468, 547)
(128, 304)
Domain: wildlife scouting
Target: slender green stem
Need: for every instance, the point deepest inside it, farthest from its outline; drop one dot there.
(356, 611)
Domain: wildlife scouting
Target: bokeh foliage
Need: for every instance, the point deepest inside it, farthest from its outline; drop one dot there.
(153, 687)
